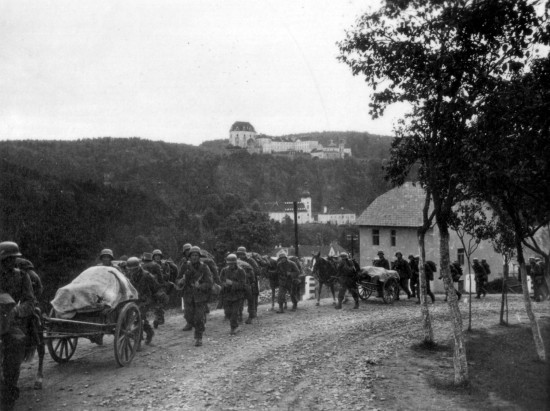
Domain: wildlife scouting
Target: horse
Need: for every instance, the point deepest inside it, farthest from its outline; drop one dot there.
(324, 272)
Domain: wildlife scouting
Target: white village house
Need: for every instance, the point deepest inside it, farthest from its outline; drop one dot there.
(390, 224)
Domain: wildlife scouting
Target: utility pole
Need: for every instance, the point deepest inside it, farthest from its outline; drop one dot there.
(295, 203)
(352, 238)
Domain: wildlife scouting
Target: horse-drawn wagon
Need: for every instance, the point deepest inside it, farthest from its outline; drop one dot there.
(384, 283)
(99, 301)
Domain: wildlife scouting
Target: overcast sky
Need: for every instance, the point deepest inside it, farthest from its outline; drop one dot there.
(180, 71)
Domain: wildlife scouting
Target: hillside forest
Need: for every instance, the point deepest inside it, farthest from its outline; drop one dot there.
(63, 201)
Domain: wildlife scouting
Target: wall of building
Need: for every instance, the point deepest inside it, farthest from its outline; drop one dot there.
(406, 241)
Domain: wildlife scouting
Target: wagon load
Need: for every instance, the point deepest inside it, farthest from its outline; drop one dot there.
(95, 289)
(375, 274)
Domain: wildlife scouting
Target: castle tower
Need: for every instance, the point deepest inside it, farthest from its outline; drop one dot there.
(241, 133)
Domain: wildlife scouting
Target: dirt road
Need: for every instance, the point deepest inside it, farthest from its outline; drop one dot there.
(317, 358)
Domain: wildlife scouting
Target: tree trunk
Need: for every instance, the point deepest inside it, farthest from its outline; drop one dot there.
(459, 359)
(537, 337)
(422, 289)
(504, 301)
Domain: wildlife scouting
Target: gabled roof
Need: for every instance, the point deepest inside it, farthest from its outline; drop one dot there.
(242, 126)
(399, 207)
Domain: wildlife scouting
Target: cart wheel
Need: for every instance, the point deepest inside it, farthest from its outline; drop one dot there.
(364, 291)
(127, 334)
(390, 291)
(60, 349)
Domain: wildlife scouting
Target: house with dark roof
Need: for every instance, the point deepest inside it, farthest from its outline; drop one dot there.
(390, 224)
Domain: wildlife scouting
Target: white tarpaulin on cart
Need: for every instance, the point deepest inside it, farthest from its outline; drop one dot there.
(378, 273)
(94, 289)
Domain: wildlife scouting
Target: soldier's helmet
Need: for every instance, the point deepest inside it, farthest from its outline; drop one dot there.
(231, 258)
(282, 255)
(9, 249)
(380, 252)
(411, 257)
(475, 260)
(157, 252)
(241, 250)
(132, 262)
(399, 253)
(344, 255)
(24, 264)
(107, 252)
(194, 250)
(186, 247)
(147, 257)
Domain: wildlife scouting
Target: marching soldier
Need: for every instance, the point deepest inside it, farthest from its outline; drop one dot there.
(480, 277)
(287, 272)
(456, 273)
(381, 261)
(184, 259)
(106, 256)
(233, 280)
(17, 307)
(147, 287)
(252, 282)
(346, 277)
(197, 285)
(161, 296)
(429, 269)
(404, 270)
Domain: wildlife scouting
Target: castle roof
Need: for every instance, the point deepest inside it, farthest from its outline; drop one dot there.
(242, 126)
(399, 207)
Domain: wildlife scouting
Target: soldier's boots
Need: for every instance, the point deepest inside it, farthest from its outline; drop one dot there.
(294, 307)
(188, 327)
(250, 318)
(233, 331)
(356, 306)
(198, 342)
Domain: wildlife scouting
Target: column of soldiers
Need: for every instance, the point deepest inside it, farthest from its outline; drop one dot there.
(536, 270)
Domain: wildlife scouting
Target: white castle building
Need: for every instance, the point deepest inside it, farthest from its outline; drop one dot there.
(279, 210)
(243, 135)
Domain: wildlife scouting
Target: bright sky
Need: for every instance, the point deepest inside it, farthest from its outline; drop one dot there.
(180, 71)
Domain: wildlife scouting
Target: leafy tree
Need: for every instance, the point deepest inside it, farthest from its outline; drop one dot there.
(443, 57)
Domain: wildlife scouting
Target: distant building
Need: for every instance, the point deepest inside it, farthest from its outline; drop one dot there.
(279, 210)
(390, 224)
(243, 135)
(336, 216)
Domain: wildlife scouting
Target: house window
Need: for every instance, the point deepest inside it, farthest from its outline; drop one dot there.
(460, 256)
(393, 238)
(375, 237)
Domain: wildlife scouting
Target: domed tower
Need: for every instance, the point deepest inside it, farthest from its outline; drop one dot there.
(241, 133)
(306, 201)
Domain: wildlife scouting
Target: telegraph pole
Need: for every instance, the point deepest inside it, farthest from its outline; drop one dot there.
(352, 238)
(295, 203)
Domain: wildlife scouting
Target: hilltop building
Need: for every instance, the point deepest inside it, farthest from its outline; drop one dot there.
(243, 135)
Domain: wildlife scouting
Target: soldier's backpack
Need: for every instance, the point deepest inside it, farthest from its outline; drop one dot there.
(432, 265)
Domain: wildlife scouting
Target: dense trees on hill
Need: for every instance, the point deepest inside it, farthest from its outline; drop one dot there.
(65, 201)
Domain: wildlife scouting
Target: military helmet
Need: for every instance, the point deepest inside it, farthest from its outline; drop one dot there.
(9, 249)
(132, 262)
(380, 252)
(107, 252)
(241, 250)
(411, 257)
(147, 257)
(231, 258)
(343, 254)
(400, 253)
(186, 247)
(194, 249)
(157, 252)
(24, 264)
(283, 255)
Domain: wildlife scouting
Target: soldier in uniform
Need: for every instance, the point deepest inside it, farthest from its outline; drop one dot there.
(252, 283)
(456, 273)
(413, 263)
(486, 266)
(402, 267)
(381, 261)
(184, 259)
(168, 269)
(429, 269)
(233, 280)
(147, 287)
(197, 285)
(17, 302)
(106, 256)
(287, 273)
(480, 277)
(537, 275)
(161, 296)
(346, 273)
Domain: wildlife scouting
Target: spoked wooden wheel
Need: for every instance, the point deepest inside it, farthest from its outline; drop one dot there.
(61, 349)
(390, 291)
(127, 334)
(364, 291)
